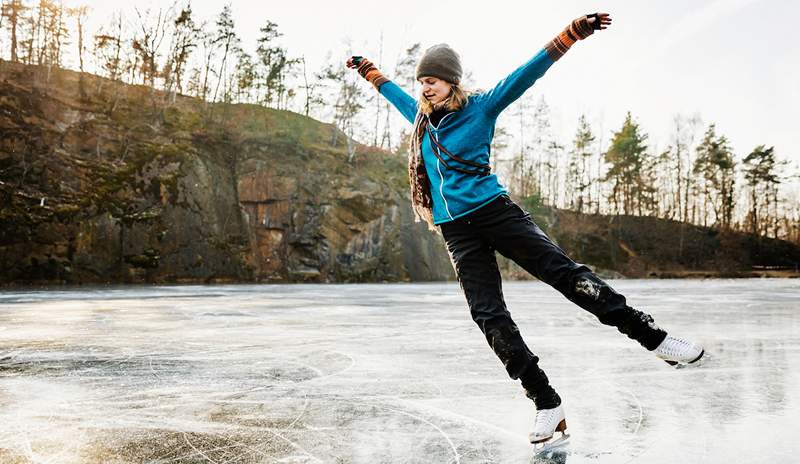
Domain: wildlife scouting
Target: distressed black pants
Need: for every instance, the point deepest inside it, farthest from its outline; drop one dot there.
(504, 227)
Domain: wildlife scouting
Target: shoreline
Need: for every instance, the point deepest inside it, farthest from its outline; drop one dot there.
(653, 275)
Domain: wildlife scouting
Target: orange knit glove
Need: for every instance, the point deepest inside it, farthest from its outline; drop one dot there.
(578, 29)
(367, 70)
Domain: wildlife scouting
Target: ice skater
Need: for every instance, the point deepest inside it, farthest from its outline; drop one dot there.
(454, 190)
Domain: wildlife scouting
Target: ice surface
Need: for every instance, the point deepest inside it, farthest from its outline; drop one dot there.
(388, 374)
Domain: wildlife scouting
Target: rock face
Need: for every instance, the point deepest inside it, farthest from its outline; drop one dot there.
(105, 182)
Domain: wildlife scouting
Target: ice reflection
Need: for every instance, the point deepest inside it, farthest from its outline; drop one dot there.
(387, 373)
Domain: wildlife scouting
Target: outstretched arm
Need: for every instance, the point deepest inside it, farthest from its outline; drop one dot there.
(404, 102)
(513, 86)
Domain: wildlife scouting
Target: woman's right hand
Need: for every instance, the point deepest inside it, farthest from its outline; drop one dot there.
(367, 70)
(599, 21)
(354, 61)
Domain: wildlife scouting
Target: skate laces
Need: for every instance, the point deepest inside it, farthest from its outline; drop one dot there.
(543, 418)
(675, 346)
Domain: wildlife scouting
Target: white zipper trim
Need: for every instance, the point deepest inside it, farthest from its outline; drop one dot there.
(441, 185)
(441, 190)
(441, 121)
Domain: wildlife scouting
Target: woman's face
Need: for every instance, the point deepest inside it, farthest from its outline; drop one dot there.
(434, 89)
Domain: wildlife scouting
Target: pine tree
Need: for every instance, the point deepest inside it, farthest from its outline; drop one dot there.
(715, 166)
(626, 157)
(193, 84)
(246, 75)
(225, 39)
(273, 61)
(761, 173)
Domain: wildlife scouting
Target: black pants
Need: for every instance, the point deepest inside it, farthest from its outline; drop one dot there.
(505, 227)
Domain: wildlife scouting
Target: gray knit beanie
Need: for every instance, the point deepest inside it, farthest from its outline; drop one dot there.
(440, 61)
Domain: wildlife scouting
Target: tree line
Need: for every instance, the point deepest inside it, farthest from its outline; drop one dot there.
(169, 49)
(696, 178)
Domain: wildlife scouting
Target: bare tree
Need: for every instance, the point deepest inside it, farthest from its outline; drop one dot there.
(108, 48)
(518, 177)
(378, 101)
(312, 90)
(43, 31)
(149, 38)
(349, 98)
(347, 108)
(27, 31)
(406, 66)
(184, 37)
(14, 11)
(209, 43)
(553, 152)
(579, 178)
(39, 36)
(542, 143)
(499, 145)
(2, 17)
(80, 13)
(49, 35)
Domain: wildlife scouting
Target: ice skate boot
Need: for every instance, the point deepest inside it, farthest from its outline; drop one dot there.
(678, 352)
(547, 423)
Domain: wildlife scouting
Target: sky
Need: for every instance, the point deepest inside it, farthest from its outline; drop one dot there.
(735, 62)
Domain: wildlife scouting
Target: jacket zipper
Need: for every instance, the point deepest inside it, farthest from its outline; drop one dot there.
(436, 127)
(438, 168)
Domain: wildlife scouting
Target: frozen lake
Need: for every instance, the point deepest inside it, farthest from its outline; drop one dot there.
(388, 374)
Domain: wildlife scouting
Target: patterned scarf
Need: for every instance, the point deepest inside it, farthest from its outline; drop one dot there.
(421, 201)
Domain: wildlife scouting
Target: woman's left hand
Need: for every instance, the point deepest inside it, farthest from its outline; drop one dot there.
(599, 21)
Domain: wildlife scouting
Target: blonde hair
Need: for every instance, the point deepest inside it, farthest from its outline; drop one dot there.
(421, 200)
(457, 99)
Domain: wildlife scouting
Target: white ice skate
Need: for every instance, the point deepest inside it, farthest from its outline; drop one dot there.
(7, 356)
(678, 352)
(547, 423)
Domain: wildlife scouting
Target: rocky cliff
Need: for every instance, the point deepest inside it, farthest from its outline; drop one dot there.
(106, 182)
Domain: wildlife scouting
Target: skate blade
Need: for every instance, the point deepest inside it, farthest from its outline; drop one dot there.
(699, 360)
(543, 448)
(561, 428)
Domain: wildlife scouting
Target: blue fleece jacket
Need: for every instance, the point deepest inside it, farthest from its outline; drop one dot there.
(468, 134)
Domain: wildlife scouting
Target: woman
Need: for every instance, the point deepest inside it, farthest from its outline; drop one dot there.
(452, 189)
